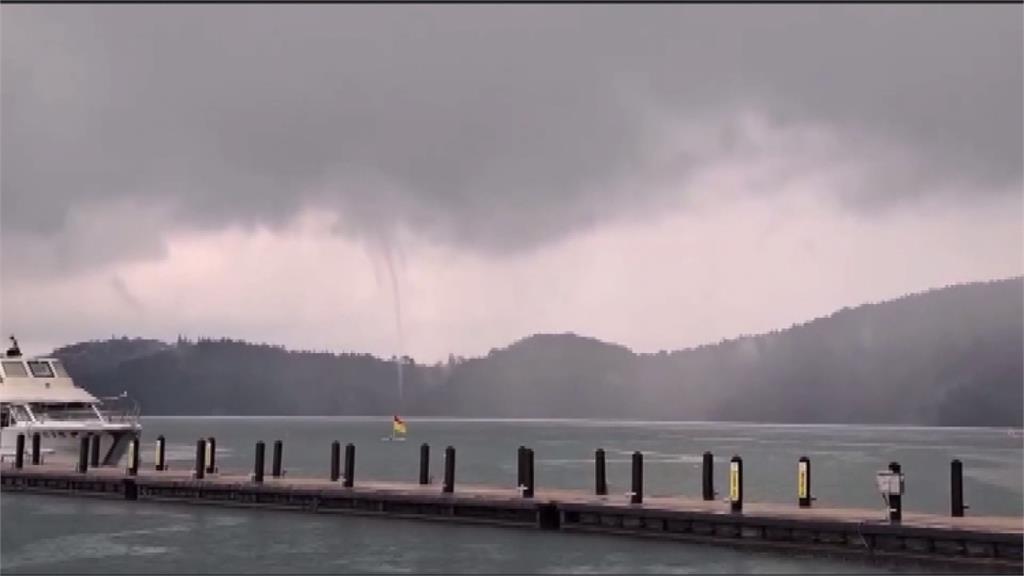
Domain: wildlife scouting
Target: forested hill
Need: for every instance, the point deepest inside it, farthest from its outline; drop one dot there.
(950, 356)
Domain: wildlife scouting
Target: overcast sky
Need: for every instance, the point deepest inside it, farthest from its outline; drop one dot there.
(658, 176)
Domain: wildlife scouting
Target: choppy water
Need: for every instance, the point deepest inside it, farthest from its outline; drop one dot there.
(60, 534)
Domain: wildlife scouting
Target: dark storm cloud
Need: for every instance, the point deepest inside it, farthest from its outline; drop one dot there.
(495, 127)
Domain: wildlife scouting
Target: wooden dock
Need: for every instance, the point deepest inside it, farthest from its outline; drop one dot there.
(978, 543)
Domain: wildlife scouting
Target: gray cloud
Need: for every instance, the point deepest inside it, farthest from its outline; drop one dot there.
(492, 127)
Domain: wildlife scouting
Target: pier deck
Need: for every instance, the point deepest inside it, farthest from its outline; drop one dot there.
(979, 542)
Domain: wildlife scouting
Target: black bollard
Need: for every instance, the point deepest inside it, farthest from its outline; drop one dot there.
(520, 467)
(83, 454)
(803, 482)
(19, 452)
(956, 484)
(133, 457)
(637, 495)
(94, 455)
(449, 470)
(275, 467)
(335, 461)
(197, 473)
(257, 471)
(211, 455)
(36, 451)
(528, 473)
(896, 500)
(600, 479)
(736, 484)
(350, 465)
(160, 463)
(424, 464)
(707, 471)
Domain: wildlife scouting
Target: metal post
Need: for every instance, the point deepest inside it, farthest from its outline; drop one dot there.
(211, 455)
(637, 495)
(424, 464)
(83, 454)
(956, 484)
(528, 473)
(449, 470)
(133, 457)
(94, 455)
(36, 451)
(160, 463)
(350, 465)
(197, 473)
(335, 461)
(19, 454)
(600, 479)
(736, 484)
(896, 500)
(803, 482)
(275, 469)
(707, 470)
(257, 472)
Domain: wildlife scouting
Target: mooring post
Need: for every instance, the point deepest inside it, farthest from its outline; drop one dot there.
(637, 495)
(707, 473)
(160, 443)
(257, 471)
(449, 470)
(956, 484)
(424, 464)
(275, 468)
(94, 455)
(131, 490)
(211, 455)
(736, 484)
(197, 473)
(335, 461)
(896, 500)
(350, 465)
(19, 454)
(83, 454)
(133, 457)
(36, 452)
(528, 473)
(803, 482)
(600, 479)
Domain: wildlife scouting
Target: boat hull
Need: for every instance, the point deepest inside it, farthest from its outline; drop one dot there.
(61, 443)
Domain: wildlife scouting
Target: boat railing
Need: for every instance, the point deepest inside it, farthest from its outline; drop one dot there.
(120, 410)
(43, 415)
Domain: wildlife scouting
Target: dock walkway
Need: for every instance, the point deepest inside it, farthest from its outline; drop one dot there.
(989, 543)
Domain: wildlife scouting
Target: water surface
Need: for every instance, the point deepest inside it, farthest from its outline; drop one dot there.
(63, 534)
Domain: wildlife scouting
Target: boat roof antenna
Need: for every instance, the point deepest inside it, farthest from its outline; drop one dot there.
(14, 351)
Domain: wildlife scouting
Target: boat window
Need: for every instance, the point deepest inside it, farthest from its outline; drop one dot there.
(58, 367)
(40, 369)
(19, 414)
(64, 411)
(14, 368)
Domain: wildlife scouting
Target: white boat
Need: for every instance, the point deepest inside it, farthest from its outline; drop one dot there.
(38, 396)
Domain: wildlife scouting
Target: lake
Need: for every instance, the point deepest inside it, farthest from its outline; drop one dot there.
(61, 534)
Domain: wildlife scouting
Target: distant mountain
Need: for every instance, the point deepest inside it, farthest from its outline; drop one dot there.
(949, 356)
